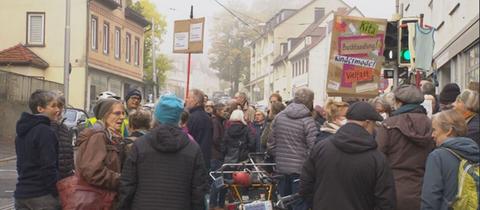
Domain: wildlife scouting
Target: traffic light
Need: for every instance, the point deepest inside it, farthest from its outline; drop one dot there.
(404, 54)
(391, 42)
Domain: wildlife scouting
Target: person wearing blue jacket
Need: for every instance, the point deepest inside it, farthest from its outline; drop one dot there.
(440, 183)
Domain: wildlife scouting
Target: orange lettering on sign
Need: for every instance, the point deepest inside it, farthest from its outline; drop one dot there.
(358, 75)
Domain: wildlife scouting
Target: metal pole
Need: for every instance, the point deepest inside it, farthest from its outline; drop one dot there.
(154, 70)
(395, 76)
(66, 58)
(189, 61)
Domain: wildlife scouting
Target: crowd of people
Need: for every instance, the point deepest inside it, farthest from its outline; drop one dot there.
(384, 153)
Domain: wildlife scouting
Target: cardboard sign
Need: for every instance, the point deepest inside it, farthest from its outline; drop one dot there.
(356, 57)
(188, 35)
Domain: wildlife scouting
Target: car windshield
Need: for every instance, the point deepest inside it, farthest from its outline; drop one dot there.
(70, 115)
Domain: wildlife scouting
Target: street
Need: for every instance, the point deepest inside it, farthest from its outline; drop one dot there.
(8, 179)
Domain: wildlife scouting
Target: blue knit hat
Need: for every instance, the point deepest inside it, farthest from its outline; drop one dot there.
(169, 109)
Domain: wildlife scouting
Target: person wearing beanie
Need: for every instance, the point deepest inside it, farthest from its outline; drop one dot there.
(236, 136)
(348, 164)
(164, 170)
(406, 140)
(448, 95)
(133, 99)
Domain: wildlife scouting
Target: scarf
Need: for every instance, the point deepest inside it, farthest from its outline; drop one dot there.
(329, 127)
(406, 108)
(467, 115)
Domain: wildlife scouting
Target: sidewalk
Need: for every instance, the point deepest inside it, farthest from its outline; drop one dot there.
(7, 149)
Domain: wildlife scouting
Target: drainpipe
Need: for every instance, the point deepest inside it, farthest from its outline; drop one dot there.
(87, 85)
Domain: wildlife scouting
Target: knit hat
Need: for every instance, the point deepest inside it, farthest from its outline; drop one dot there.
(409, 94)
(133, 92)
(449, 93)
(362, 111)
(102, 107)
(238, 116)
(168, 109)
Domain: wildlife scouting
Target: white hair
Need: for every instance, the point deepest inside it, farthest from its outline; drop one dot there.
(238, 116)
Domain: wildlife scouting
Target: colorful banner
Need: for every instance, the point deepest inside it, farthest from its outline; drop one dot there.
(356, 56)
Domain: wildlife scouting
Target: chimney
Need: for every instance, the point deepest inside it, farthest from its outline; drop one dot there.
(319, 13)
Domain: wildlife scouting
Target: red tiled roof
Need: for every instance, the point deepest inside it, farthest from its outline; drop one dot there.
(19, 55)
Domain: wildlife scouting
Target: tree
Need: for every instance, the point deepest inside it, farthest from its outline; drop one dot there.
(163, 64)
(230, 50)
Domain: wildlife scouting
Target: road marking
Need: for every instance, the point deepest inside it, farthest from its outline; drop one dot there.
(8, 170)
(9, 191)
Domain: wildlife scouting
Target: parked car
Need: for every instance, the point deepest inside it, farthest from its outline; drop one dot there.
(75, 120)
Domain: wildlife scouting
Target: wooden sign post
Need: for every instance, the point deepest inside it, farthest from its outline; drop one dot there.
(188, 38)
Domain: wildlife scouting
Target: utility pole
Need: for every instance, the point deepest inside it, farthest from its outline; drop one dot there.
(154, 70)
(66, 58)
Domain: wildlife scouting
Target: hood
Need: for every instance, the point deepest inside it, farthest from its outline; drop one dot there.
(27, 121)
(465, 147)
(353, 138)
(417, 127)
(237, 129)
(297, 111)
(167, 138)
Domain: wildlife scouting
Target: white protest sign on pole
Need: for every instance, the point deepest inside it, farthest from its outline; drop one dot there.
(181, 41)
(196, 31)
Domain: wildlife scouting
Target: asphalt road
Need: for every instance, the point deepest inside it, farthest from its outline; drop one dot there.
(8, 179)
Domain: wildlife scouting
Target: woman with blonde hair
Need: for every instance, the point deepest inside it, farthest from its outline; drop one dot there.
(336, 118)
(238, 140)
(467, 105)
(440, 182)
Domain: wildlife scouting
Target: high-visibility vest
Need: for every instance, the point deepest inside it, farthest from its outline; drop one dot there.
(124, 128)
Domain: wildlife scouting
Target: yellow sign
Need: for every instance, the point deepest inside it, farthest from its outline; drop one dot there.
(369, 28)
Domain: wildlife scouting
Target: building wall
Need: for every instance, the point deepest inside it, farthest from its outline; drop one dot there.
(115, 18)
(456, 35)
(14, 20)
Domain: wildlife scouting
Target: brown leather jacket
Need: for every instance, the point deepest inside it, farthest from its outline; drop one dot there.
(98, 159)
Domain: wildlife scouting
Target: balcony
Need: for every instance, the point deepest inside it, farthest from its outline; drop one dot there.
(111, 4)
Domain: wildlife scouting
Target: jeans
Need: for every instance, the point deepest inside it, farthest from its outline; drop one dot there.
(46, 202)
(288, 185)
(217, 196)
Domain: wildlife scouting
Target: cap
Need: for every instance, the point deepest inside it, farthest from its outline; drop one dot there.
(362, 111)
(409, 94)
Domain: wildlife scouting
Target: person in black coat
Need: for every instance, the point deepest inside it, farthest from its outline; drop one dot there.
(238, 140)
(345, 171)
(165, 169)
(36, 146)
(66, 164)
(199, 124)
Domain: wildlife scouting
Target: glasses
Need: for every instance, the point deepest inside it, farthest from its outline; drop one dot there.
(209, 106)
(118, 113)
(135, 98)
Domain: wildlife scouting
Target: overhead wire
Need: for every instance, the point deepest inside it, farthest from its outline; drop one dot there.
(237, 17)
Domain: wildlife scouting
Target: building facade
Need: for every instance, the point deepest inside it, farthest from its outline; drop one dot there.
(456, 23)
(267, 49)
(98, 60)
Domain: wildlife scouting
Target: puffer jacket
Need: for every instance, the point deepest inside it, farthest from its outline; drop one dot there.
(406, 140)
(98, 159)
(293, 135)
(441, 174)
(165, 170)
(237, 143)
(65, 150)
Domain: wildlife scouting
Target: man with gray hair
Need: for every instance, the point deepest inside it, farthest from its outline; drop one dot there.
(293, 135)
(242, 103)
(428, 90)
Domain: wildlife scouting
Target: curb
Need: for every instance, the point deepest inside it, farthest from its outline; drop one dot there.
(8, 158)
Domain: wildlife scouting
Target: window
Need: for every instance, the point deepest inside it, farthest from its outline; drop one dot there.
(136, 51)
(106, 35)
(306, 66)
(35, 28)
(94, 29)
(128, 48)
(472, 71)
(117, 43)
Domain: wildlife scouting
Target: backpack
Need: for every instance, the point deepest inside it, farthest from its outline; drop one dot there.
(468, 185)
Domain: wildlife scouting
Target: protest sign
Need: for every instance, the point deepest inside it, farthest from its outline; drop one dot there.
(188, 35)
(356, 56)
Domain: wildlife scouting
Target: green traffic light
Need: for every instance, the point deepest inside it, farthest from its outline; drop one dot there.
(406, 55)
